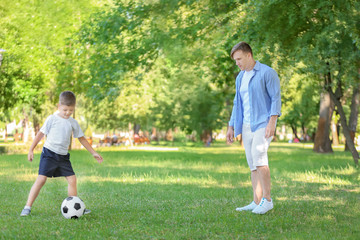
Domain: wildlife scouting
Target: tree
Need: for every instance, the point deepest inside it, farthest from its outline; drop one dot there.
(322, 143)
(34, 33)
(300, 101)
(129, 40)
(353, 120)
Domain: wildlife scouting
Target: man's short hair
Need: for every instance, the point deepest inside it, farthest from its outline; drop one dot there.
(243, 46)
(67, 98)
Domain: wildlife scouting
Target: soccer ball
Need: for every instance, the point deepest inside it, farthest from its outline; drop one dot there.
(72, 207)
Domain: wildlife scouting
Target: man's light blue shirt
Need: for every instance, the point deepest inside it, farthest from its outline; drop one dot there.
(264, 99)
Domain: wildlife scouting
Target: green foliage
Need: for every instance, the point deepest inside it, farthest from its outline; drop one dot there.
(300, 103)
(33, 33)
(129, 34)
(165, 63)
(154, 62)
(321, 34)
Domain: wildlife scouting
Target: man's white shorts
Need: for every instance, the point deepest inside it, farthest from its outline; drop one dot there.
(256, 146)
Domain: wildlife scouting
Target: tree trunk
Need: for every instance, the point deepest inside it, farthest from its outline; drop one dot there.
(335, 135)
(169, 135)
(355, 102)
(293, 128)
(283, 132)
(322, 142)
(206, 137)
(154, 134)
(304, 132)
(26, 130)
(36, 125)
(136, 128)
(130, 135)
(345, 127)
(6, 132)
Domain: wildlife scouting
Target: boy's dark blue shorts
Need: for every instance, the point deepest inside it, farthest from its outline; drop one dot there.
(55, 165)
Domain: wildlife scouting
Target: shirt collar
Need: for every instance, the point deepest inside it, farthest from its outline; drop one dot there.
(257, 66)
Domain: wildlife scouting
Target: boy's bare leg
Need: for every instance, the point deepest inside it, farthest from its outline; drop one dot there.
(72, 189)
(35, 189)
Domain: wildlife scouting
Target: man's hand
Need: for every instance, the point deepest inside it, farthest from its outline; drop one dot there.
(270, 128)
(230, 135)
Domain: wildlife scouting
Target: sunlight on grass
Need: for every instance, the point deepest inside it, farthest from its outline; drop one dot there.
(20, 173)
(292, 145)
(348, 170)
(306, 198)
(320, 218)
(354, 188)
(200, 166)
(313, 177)
(236, 149)
(206, 181)
(25, 177)
(138, 148)
(152, 148)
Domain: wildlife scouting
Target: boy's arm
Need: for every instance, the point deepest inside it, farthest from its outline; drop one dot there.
(37, 139)
(88, 147)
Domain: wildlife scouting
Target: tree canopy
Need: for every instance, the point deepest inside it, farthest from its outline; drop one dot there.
(166, 64)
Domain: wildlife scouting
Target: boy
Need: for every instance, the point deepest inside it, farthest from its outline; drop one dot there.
(55, 159)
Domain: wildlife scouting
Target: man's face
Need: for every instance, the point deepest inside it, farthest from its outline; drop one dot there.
(66, 111)
(242, 60)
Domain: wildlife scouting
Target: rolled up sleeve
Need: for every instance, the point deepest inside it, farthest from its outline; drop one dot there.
(231, 122)
(273, 88)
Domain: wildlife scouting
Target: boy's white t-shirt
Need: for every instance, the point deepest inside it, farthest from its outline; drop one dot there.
(58, 132)
(244, 92)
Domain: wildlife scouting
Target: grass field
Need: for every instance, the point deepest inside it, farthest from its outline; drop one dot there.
(186, 193)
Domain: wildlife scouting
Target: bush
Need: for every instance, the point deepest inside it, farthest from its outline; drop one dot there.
(18, 148)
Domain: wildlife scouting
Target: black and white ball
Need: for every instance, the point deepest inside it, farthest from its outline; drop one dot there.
(72, 207)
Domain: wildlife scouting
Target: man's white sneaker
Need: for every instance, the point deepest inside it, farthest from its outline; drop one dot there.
(249, 207)
(264, 206)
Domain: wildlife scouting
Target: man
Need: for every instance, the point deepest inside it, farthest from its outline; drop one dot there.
(257, 106)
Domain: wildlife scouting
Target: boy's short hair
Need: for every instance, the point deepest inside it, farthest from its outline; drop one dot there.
(243, 46)
(67, 98)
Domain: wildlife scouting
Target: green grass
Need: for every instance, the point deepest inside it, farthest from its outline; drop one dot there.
(186, 193)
